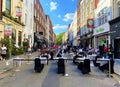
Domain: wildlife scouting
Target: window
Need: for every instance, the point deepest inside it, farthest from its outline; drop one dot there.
(119, 11)
(14, 35)
(8, 6)
(19, 38)
(102, 16)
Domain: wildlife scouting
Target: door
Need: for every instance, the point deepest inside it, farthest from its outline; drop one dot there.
(117, 48)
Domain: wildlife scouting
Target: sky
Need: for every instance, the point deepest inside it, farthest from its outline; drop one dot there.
(61, 13)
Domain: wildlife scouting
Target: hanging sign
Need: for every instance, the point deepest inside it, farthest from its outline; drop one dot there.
(90, 23)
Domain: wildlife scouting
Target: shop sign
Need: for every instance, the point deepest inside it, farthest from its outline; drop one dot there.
(90, 23)
(99, 29)
(8, 30)
(18, 12)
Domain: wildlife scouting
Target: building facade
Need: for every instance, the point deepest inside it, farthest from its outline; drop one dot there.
(28, 12)
(87, 13)
(115, 28)
(49, 30)
(102, 14)
(11, 20)
(39, 25)
(74, 29)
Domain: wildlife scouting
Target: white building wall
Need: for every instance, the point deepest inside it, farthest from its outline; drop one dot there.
(29, 20)
(74, 29)
(101, 5)
(115, 8)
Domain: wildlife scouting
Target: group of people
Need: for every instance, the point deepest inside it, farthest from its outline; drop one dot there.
(3, 52)
(105, 51)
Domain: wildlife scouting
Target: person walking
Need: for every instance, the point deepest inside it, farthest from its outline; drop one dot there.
(3, 51)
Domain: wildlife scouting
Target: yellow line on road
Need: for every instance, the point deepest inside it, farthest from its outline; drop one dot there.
(116, 77)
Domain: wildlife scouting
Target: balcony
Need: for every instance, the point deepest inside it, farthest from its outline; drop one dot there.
(12, 18)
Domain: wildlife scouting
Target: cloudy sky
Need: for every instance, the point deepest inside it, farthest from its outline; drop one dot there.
(61, 13)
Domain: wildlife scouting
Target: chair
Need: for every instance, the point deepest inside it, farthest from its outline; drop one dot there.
(106, 66)
(38, 67)
(61, 66)
(95, 61)
(59, 55)
(46, 56)
(74, 59)
(85, 66)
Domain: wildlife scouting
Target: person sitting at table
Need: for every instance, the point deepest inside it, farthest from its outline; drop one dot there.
(75, 58)
(95, 61)
(106, 66)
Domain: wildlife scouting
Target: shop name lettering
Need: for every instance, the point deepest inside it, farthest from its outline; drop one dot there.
(99, 30)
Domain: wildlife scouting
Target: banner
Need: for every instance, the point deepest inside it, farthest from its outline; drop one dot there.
(8, 30)
(18, 12)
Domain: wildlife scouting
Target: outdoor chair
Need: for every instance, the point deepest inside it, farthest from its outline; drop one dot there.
(38, 67)
(61, 66)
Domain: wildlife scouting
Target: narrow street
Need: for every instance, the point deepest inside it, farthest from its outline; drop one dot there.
(26, 77)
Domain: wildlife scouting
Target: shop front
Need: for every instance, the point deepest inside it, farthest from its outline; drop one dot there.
(86, 41)
(101, 35)
(115, 36)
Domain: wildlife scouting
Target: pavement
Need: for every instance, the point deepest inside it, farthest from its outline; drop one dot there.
(4, 66)
(117, 66)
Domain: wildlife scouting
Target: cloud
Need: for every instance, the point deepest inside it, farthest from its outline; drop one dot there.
(68, 17)
(58, 26)
(53, 6)
(59, 16)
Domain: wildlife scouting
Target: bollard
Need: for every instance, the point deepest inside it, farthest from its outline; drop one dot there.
(17, 63)
(29, 54)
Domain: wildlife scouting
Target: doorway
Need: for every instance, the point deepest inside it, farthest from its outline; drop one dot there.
(117, 48)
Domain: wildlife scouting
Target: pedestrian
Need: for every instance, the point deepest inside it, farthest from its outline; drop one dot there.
(110, 52)
(29, 48)
(3, 51)
(105, 50)
(101, 49)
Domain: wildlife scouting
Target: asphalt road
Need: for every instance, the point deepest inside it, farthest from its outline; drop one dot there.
(26, 77)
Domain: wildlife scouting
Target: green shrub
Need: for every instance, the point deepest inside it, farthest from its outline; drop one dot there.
(11, 49)
(25, 45)
(8, 43)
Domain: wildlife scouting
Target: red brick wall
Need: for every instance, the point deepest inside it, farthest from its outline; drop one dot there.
(40, 20)
(0, 9)
(95, 3)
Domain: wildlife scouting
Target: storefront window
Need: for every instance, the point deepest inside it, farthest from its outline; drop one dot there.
(14, 35)
(19, 38)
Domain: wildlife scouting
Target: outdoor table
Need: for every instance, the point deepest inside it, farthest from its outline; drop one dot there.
(91, 56)
(99, 59)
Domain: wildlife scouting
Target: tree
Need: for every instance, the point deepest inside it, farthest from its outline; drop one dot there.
(59, 38)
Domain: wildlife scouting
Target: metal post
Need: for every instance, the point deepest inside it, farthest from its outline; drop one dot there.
(109, 69)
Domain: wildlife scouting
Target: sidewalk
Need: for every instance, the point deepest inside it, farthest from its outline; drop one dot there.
(117, 66)
(4, 67)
